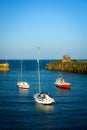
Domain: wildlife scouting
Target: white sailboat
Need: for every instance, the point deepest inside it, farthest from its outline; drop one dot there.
(22, 84)
(42, 97)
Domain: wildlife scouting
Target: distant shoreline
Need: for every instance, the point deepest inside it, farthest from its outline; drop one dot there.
(1, 60)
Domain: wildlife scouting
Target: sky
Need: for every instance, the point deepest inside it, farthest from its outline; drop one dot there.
(57, 27)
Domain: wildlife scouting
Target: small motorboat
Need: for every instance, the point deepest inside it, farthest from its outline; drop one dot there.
(62, 84)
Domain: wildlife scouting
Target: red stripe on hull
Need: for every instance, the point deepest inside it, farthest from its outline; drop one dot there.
(65, 86)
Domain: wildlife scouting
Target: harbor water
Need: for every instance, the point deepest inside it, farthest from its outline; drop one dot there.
(18, 109)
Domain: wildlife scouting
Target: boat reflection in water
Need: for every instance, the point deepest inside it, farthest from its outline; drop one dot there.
(44, 108)
(23, 92)
(63, 92)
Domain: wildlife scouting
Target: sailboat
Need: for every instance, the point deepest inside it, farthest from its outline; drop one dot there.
(22, 84)
(42, 97)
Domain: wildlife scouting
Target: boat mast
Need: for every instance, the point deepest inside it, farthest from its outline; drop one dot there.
(21, 70)
(38, 69)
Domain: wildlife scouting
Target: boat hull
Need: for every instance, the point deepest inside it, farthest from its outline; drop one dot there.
(23, 85)
(64, 86)
(45, 101)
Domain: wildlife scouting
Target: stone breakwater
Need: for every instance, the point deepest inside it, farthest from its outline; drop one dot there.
(4, 67)
(72, 66)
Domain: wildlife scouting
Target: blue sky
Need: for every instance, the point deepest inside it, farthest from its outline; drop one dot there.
(56, 26)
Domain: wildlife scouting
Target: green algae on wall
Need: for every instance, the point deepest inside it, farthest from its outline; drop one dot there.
(72, 66)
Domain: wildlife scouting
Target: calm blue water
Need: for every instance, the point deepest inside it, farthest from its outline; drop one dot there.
(18, 109)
